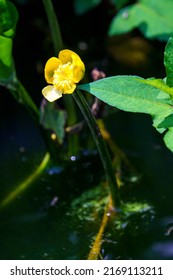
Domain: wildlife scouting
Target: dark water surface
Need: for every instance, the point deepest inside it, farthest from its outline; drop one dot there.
(39, 224)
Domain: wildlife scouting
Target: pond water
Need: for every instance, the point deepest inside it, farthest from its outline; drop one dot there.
(41, 222)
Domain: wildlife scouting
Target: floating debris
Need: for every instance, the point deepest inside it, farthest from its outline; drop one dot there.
(54, 201)
(169, 229)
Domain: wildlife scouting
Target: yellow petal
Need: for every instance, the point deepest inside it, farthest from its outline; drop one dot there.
(51, 65)
(69, 88)
(66, 56)
(78, 68)
(51, 94)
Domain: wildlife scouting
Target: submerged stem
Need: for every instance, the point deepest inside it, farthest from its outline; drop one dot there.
(96, 246)
(102, 148)
(25, 184)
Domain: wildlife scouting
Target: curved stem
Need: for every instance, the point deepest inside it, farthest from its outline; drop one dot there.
(25, 184)
(102, 148)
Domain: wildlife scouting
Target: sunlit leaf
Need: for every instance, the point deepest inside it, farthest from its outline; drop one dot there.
(54, 119)
(134, 94)
(168, 61)
(8, 20)
(153, 18)
(6, 60)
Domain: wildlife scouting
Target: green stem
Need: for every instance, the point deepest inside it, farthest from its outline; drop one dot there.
(54, 26)
(25, 184)
(68, 102)
(73, 140)
(102, 148)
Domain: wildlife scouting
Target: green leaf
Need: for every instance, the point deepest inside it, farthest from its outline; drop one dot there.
(5, 17)
(84, 6)
(8, 18)
(6, 60)
(54, 119)
(168, 139)
(168, 62)
(134, 94)
(167, 122)
(153, 18)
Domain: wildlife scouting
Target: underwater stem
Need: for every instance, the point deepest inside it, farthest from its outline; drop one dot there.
(96, 247)
(102, 148)
(25, 184)
(118, 156)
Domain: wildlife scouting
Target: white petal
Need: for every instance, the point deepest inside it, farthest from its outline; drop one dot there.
(51, 94)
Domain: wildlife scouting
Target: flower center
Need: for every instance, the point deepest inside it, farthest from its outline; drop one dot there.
(63, 78)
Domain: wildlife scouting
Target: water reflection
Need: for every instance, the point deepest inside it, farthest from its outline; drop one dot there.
(54, 170)
(161, 250)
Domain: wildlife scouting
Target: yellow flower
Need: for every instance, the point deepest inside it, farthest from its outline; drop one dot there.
(63, 73)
